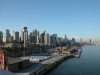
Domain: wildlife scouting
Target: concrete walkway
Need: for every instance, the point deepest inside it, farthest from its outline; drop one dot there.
(38, 66)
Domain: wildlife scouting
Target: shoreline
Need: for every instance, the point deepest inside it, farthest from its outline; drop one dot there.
(43, 67)
(50, 64)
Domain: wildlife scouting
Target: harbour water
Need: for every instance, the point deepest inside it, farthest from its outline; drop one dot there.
(87, 64)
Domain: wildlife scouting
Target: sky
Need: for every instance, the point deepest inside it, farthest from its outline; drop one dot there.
(74, 18)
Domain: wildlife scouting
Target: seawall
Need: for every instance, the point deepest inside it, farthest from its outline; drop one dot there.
(50, 66)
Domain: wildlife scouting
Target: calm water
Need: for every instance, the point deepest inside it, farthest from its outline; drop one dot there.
(88, 64)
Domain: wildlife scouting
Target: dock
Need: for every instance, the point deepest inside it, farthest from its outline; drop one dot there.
(20, 66)
(43, 67)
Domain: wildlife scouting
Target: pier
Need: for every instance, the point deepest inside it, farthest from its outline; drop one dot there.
(40, 64)
(44, 66)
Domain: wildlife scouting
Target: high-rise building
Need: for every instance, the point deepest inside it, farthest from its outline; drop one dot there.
(1, 36)
(16, 36)
(24, 34)
(48, 39)
(45, 37)
(42, 38)
(33, 32)
(6, 37)
(36, 35)
(31, 38)
(11, 39)
(65, 39)
(51, 40)
(73, 40)
(55, 37)
(60, 40)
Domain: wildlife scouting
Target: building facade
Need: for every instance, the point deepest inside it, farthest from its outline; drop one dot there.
(6, 36)
(35, 33)
(16, 36)
(1, 36)
(24, 34)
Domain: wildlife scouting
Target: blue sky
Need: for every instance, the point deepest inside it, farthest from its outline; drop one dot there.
(75, 18)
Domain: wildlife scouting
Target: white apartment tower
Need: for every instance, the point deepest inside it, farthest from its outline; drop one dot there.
(6, 37)
(24, 34)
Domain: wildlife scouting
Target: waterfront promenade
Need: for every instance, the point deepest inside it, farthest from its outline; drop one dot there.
(37, 66)
(40, 64)
(44, 66)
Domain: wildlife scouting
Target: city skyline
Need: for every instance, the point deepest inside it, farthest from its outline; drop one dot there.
(15, 34)
(78, 19)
